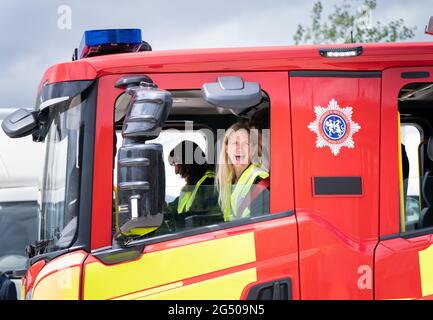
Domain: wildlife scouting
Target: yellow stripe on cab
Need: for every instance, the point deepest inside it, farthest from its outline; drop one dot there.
(168, 266)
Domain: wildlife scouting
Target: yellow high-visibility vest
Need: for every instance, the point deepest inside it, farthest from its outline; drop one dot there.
(186, 198)
(241, 190)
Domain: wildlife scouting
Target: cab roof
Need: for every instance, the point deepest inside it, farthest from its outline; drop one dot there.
(375, 57)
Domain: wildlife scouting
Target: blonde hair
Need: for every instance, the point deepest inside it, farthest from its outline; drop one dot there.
(225, 173)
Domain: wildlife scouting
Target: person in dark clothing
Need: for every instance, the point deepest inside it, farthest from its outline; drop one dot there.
(405, 170)
(405, 164)
(197, 203)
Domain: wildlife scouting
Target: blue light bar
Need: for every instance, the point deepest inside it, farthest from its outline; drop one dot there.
(101, 42)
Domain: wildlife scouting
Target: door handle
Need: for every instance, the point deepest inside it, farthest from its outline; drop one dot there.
(274, 290)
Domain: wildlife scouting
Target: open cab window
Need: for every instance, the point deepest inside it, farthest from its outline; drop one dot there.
(215, 167)
(416, 152)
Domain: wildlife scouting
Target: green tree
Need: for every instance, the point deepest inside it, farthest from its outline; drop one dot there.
(349, 24)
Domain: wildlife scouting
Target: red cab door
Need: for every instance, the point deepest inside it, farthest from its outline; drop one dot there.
(335, 116)
(404, 256)
(218, 263)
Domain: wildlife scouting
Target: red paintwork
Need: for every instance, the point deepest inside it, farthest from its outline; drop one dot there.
(78, 70)
(337, 234)
(103, 165)
(57, 265)
(31, 275)
(374, 57)
(277, 252)
(397, 263)
(397, 272)
(273, 259)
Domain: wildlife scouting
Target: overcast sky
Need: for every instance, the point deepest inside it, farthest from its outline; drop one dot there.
(31, 39)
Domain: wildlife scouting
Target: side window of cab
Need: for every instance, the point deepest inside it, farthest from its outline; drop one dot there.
(411, 146)
(416, 158)
(215, 166)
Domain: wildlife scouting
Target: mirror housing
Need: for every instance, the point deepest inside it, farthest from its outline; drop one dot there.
(24, 122)
(20, 123)
(141, 173)
(232, 93)
(147, 112)
(141, 188)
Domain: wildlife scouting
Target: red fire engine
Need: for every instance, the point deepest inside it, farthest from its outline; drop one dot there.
(351, 172)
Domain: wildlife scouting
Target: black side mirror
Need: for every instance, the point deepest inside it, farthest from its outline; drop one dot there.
(141, 174)
(141, 188)
(23, 122)
(20, 123)
(147, 112)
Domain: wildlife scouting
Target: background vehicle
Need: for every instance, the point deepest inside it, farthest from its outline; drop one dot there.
(20, 175)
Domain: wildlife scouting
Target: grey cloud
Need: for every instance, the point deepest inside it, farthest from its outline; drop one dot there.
(31, 41)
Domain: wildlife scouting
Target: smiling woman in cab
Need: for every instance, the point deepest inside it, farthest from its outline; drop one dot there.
(242, 184)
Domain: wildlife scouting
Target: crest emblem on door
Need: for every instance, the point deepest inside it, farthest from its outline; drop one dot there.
(334, 127)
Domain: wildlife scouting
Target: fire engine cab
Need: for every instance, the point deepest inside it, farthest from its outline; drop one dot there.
(350, 162)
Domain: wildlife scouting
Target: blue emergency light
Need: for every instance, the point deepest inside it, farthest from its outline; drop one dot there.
(109, 41)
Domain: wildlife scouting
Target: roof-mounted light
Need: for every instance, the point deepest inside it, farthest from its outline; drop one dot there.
(340, 52)
(102, 42)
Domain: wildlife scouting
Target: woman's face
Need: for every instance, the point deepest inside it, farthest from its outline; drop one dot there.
(238, 148)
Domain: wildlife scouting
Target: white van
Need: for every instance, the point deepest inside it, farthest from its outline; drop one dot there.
(20, 171)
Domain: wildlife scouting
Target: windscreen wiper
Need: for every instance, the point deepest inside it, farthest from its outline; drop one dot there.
(38, 247)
